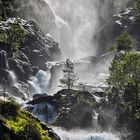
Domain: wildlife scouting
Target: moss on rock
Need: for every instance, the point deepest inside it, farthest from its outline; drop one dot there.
(18, 123)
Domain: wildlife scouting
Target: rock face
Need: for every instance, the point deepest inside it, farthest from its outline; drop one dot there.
(124, 20)
(30, 9)
(3, 59)
(36, 48)
(74, 109)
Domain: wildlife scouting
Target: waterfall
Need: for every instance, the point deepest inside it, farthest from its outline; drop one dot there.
(51, 114)
(44, 112)
(12, 78)
(34, 87)
(85, 135)
(78, 21)
(41, 82)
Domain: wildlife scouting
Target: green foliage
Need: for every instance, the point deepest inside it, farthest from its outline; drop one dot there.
(125, 42)
(21, 122)
(137, 10)
(16, 35)
(124, 83)
(69, 76)
(27, 127)
(3, 37)
(9, 108)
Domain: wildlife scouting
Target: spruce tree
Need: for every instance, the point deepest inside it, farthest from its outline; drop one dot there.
(69, 77)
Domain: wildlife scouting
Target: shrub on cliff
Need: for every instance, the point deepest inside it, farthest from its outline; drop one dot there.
(9, 108)
(124, 79)
(19, 123)
(13, 37)
(125, 42)
(124, 82)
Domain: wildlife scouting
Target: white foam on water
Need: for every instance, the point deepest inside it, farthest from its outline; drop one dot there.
(85, 135)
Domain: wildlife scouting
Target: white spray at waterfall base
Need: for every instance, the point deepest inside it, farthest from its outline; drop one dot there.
(85, 135)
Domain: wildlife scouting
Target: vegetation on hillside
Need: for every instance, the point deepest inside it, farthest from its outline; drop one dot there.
(19, 122)
(124, 84)
(13, 37)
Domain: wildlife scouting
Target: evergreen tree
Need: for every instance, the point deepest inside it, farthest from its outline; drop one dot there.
(125, 42)
(69, 76)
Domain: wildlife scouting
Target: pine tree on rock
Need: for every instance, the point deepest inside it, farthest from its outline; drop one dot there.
(69, 77)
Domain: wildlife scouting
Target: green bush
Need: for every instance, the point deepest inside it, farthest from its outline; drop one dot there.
(125, 42)
(14, 36)
(27, 127)
(9, 108)
(3, 37)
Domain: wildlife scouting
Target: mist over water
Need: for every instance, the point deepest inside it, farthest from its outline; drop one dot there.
(74, 23)
(85, 135)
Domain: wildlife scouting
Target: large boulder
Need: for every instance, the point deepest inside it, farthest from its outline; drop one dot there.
(72, 108)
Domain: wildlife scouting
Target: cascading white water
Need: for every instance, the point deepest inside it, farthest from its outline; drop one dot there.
(12, 78)
(85, 135)
(41, 82)
(78, 21)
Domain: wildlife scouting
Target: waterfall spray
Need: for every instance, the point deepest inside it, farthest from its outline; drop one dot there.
(85, 135)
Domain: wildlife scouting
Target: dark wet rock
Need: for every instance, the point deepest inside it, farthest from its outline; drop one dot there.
(4, 77)
(107, 118)
(3, 59)
(51, 132)
(74, 108)
(22, 69)
(17, 92)
(37, 96)
(79, 115)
